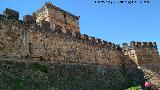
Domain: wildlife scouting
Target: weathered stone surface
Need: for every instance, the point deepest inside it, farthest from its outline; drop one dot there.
(152, 73)
(53, 46)
(11, 14)
(28, 19)
(145, 54)
(19, 74)
(142, 52)
(57, 16)
(54, 36)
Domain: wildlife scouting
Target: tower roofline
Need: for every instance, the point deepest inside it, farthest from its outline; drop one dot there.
(50, 5)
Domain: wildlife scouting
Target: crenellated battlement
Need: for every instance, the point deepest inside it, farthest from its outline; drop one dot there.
(137, 44)
(47, 36)
(141, 52)
(30, 19)
(11, 14)
(53, 35)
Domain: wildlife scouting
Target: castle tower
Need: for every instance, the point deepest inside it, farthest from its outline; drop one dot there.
(59, 19)
(141, 52)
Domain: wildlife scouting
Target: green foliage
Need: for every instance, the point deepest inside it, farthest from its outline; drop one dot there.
(133, 88)
(18, 81)
(40, 67)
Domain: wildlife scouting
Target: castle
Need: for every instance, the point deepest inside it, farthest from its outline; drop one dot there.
(53, 34)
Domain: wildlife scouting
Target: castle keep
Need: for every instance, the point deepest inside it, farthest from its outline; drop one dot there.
(58, 18)
(53, 34)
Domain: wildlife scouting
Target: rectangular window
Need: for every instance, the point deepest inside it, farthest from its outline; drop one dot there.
(30, 48)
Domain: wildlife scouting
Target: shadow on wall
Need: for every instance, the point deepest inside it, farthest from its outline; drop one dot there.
(152, 73)
(133, 75)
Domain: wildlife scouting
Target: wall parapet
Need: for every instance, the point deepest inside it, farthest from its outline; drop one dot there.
(136, 44)
(30, 20)
(12, 14)
(46, 42)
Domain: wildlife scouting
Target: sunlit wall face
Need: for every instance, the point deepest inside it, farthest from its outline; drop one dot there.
(118, 23)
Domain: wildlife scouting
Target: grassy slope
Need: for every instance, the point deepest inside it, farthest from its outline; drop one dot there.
(38, 76)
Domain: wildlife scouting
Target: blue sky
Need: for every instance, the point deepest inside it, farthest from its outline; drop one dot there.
(117, 23)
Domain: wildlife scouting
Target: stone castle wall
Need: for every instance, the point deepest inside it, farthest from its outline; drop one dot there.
(26, 38)
(30, 39)
(142, 52)
(11, 38)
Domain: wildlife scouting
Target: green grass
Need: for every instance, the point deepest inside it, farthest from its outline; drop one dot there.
(18, 81)
(40, 67)
(133, 88)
